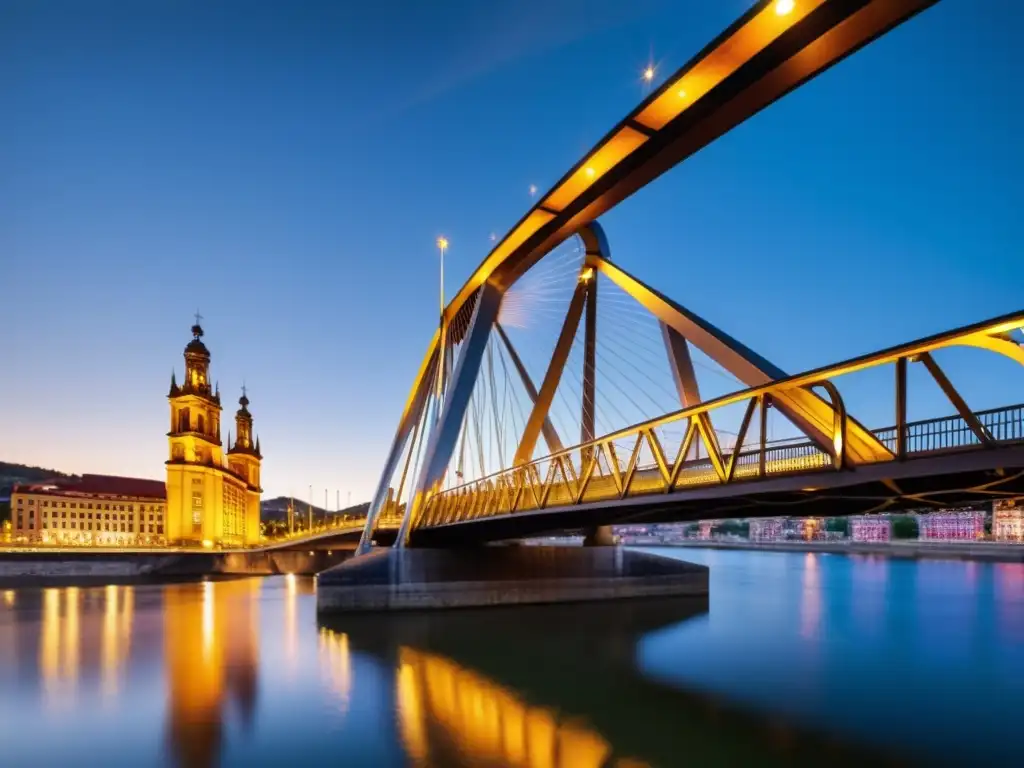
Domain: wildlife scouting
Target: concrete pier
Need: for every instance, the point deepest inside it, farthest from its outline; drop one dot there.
(410, 579)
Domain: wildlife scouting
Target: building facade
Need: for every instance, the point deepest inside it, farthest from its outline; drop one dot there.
(768, 529)
(952, 525)
(213, 497)
(870, 528)
(96, 510)
(1008, 520)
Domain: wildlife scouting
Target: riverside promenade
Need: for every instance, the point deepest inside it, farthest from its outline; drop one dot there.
(944, 550)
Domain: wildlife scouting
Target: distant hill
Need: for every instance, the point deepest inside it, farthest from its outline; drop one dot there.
(277, 509)
(12, 474)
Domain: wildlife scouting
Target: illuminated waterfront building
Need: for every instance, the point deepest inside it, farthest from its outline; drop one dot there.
(96, 510)
(952, 525)
(212, 498)
(807, 528)
(704, 529)
(870, 528)
(1008, 520)
(768, 529)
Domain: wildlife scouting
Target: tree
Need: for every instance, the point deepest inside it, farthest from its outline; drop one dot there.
(731, 528)
(838, 525)
(904, 527)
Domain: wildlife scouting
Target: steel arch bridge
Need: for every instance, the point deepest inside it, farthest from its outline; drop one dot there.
(638, 471)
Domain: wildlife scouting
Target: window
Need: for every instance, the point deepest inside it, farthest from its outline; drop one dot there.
(202, 423)
(73, 505)
(20, 502)
(46, 503)
(31, 502)
(63, 504)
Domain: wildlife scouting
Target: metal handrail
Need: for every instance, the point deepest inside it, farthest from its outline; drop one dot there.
(503, 492)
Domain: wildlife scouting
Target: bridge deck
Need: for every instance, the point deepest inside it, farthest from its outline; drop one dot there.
(944, 462)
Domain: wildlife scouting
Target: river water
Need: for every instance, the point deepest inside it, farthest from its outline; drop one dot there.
(809, 659)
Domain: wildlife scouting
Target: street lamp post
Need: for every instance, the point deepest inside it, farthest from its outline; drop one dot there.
(442, 246)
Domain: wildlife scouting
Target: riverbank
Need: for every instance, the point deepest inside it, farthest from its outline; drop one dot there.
(39, 568)
(915, 550)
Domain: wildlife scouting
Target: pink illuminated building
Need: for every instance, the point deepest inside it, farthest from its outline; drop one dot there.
(870, 528)
(768, 529)
(952, 525)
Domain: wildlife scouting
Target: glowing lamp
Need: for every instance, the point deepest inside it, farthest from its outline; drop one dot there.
(784, 7)
(649, 74)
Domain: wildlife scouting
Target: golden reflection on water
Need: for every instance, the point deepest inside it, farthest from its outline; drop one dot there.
(444, 708)
(336, 664)
(71, 624)
(211, 651)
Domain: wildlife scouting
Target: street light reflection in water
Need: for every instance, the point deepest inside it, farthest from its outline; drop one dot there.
(241, 673)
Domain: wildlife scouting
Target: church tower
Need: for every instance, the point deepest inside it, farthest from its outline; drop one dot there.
(244, 460)
(196, 457)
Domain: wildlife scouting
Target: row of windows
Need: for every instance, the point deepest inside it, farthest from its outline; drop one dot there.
(113, 527)
(74, 505)
(63, 514)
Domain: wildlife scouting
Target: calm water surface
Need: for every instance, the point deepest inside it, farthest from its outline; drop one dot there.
(799, 659)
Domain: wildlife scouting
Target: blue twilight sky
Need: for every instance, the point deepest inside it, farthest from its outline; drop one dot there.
(285, 168)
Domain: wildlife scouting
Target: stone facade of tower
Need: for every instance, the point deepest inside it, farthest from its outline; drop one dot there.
(213, 499)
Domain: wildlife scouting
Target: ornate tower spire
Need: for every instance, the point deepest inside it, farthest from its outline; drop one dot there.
(243, 425)
(197, 364)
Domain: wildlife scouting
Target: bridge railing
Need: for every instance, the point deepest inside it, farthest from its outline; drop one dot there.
(573, 477)
(633, 461)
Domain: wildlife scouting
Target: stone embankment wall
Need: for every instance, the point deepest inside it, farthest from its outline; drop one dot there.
(46, 568)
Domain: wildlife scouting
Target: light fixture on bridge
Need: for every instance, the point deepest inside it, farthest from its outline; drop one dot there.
(442, 243)
(586, 275)
(784, 7)
(648, 73)
(533, 190)
(590, 171)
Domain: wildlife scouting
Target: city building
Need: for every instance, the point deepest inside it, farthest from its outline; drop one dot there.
(1008, 520)
(952, 525)
(768, 529)
(870, 528)
(213, 498)
(805, 528)
(96, 510)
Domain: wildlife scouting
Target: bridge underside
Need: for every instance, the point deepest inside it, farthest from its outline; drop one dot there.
(944, 481)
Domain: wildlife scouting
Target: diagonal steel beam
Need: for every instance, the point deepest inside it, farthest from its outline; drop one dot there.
(445, 434)
(685, 378)
(589, 360)
(547, 428)
(410, 416)
(806, 409)
(956, 399)
(524, 453)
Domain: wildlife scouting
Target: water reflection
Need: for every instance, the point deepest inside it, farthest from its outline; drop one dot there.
(211, 650)
(795, 654)
(483, 722)
(336, 664)
(558, 686)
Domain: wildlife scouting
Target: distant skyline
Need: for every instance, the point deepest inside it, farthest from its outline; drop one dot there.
(287, 172)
